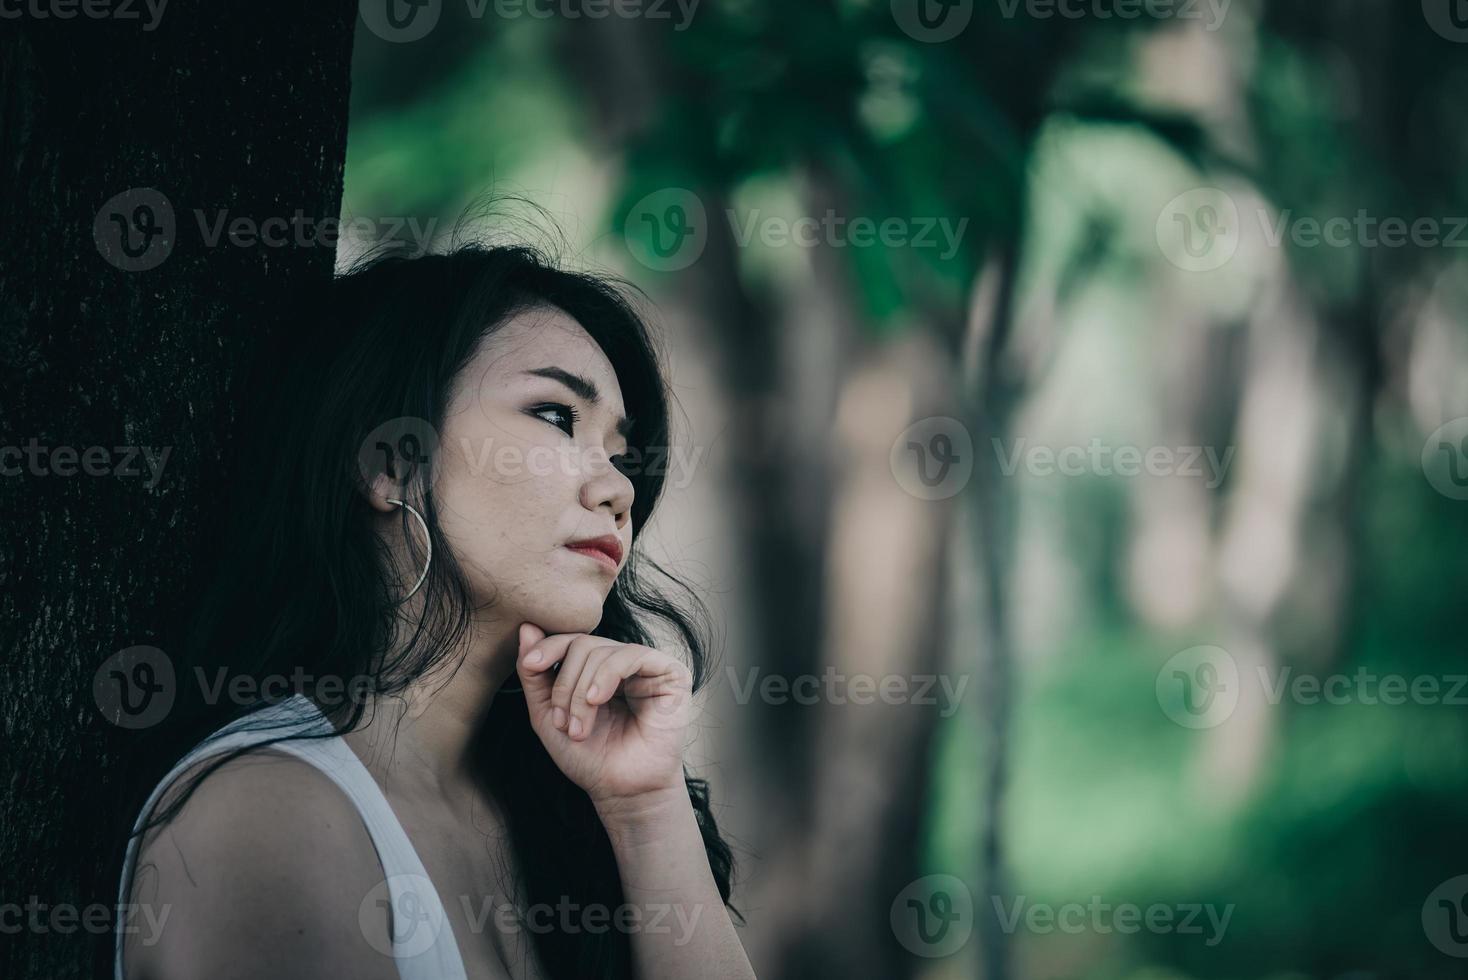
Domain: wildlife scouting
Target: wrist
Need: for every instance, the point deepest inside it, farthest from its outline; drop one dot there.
(643, 817)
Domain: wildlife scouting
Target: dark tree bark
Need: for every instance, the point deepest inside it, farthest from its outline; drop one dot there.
(118, 332)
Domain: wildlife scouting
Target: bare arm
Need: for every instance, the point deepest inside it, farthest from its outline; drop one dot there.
(685, 929)
(262, 874)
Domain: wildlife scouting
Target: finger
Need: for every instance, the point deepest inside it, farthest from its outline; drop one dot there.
(599, 685)
(539, 650)
(660, 691)
(538, 654)
(572, 664)
(598, 682)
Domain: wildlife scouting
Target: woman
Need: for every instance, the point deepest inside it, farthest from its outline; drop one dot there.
(439, 507)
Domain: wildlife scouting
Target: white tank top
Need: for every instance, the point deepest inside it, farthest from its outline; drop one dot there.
(423, 944)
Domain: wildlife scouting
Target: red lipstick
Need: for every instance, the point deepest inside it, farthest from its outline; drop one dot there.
(606, 549)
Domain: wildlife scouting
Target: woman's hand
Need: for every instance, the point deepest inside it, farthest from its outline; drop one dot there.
(613, 716)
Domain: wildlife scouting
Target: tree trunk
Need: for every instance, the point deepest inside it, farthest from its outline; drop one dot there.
(997, 384)
(125, 326)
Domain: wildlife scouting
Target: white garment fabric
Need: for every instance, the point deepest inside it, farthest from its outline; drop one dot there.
(423, 943)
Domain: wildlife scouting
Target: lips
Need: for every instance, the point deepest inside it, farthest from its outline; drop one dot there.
(606, 549)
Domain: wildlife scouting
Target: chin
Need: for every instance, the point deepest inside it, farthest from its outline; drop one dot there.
(572, 614)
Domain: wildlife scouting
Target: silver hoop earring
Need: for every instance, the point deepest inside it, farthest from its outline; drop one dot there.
(428, 539)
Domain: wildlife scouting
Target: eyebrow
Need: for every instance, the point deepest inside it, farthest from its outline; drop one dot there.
(585, 389)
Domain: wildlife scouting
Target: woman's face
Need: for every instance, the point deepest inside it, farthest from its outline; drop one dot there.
(532, 427)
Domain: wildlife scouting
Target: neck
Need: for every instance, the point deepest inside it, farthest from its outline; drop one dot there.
(419, 741)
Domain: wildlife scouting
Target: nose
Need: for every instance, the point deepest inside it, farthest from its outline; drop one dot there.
(607, 488)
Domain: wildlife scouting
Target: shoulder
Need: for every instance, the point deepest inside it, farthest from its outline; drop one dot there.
(261, 873)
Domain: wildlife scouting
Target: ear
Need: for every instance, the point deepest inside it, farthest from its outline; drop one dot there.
(382, 490)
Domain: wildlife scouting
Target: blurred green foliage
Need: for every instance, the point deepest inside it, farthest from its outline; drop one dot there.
(1051, 137)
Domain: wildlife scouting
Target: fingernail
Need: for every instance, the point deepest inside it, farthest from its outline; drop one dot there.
(591, 693)
(558, 717)
(535, 657)
(575, 727)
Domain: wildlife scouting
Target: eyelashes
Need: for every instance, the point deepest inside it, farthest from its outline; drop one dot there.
(570, 416)
(567, 411)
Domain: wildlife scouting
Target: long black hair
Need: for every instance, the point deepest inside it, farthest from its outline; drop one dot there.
(307, 591)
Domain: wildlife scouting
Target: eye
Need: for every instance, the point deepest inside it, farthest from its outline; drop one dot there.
(568, 416)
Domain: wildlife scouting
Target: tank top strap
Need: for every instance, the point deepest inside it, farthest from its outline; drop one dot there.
(422, 939)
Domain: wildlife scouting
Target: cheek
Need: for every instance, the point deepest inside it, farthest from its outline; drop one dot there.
(505, 523)
(503, 512)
